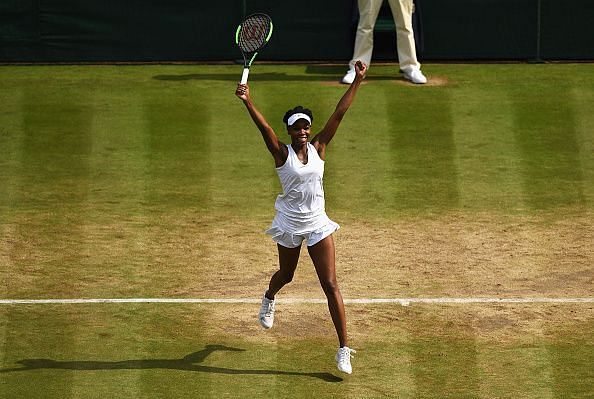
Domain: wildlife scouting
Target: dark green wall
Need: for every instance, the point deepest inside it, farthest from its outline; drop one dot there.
(508, 29)
(184, 30)
(482, 29)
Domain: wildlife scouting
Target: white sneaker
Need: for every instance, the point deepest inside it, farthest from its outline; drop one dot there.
(349, 77)
(266, 315)
(343, 359)
(416, 76)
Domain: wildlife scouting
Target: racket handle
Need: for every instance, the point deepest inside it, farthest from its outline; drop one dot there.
(244, 76)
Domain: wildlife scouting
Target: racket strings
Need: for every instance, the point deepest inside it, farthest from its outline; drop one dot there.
(253, 33)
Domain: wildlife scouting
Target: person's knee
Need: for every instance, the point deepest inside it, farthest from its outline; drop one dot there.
(365, 31)
(287, 277)
(330, 286)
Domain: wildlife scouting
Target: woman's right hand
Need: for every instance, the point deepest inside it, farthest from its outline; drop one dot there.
(243, 92)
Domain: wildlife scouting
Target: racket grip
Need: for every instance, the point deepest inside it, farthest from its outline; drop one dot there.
(244, 76)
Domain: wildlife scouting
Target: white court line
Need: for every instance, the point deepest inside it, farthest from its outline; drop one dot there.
(401, 301)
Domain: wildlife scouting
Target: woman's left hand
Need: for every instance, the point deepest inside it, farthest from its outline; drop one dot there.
(360, 69)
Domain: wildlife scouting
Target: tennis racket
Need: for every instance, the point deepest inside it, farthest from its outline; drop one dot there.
(251, 36)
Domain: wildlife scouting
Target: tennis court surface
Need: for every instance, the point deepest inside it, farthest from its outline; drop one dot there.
(139, 182)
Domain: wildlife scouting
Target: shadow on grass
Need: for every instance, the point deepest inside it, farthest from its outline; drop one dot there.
(260, 77)
(187, 363)
(314, 73)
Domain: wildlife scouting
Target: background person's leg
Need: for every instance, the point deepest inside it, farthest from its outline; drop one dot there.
(368, 12)
(402, 11)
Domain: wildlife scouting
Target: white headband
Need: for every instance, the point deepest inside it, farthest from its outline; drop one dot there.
(295, 117)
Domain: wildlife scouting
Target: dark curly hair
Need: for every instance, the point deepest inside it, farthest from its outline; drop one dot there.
(297, 110)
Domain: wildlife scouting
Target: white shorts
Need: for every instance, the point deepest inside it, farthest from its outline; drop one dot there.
(293, 239)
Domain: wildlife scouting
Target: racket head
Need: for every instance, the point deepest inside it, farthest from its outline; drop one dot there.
(253, 33)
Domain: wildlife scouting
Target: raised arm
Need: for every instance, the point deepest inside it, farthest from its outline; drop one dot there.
(321, 140)
(277, 149)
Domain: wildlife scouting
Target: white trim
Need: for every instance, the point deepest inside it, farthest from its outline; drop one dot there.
(295, 117)
(363, 301)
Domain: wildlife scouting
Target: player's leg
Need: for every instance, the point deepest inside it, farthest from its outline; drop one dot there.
(323, 257)
(287, 259)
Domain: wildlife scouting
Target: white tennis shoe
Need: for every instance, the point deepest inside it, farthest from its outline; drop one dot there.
(416, 76)
(266, 315)
(349, 77)
(343, 359)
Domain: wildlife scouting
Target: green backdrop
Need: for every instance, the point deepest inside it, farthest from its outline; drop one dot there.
(184, 30)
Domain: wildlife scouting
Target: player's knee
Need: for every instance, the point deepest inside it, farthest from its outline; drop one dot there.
(329, 286)
(287, 277)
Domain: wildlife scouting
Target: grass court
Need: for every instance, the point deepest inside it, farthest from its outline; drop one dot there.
(152, 182)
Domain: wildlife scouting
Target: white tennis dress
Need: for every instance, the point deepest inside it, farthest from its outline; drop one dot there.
(300, 209)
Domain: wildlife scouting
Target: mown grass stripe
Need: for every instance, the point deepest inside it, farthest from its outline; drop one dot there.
(436, 360)
(118, 164)
(546, 137)
(178, 149)
(486, 155)
(423, 150)
(572, 358)
(118, 159)
(583, 98)
(525, 368)
(11, 138)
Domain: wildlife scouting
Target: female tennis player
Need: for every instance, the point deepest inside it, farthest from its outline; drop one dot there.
(300, 209)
